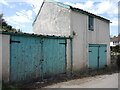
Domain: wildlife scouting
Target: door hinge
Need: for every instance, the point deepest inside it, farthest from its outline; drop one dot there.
(90, 51)
(63, 43)
(105, 50)
(12, 41)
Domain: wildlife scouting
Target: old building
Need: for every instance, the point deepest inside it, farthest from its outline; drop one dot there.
(90, 44)
(66, 40)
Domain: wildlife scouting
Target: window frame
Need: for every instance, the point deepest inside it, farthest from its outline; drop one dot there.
(90, 23)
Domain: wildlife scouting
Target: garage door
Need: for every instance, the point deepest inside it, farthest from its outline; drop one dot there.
(33, 57)
(97, 56)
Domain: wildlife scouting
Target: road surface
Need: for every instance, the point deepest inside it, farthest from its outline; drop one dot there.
(100, 81)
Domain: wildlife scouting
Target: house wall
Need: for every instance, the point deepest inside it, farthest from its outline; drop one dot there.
(5, 56)
(52, 20)
(100, 35)
(84, 37)
(79, 26)
(111, 44)
(68, 58)
(64, 22)
(114, 43)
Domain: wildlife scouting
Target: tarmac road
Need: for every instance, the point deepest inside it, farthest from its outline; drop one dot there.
(100, 81)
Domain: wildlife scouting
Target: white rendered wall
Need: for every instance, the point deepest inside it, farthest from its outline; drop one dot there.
(100, 35)
(53, 20)
(79, 26)
(84, 37)
(5, 53)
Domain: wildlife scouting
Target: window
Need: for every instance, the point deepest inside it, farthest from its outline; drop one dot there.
(91, 23)
(113, 43)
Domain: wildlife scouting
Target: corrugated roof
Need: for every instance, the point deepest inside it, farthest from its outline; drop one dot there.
(74, 9)
(32, 34)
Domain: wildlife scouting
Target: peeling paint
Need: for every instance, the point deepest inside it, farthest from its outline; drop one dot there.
(36, 57)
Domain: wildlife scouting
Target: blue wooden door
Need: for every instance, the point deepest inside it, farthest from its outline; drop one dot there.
(93, 57)
(97, 56)
(25, 58)
(54, 57)
(102, 54)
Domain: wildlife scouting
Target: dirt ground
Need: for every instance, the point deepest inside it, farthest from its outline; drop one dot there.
(108, 80)
(99, 81)
(104, 78)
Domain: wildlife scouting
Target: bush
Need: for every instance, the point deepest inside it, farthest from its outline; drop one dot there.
(118, 61)
(115, 49)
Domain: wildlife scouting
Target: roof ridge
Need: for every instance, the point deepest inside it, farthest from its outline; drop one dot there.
(71, 7)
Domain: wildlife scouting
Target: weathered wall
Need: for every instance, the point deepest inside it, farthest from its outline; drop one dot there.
(68, 54)
(56, 20)
(79, 26)
(53, 20)
(100, 35)
(84, 37)
(4, 43)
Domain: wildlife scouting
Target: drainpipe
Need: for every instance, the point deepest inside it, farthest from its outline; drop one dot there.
(71, 56)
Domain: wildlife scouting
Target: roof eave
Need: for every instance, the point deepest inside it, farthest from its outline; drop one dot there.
(38, 14)
(87, 13)
(36, 35)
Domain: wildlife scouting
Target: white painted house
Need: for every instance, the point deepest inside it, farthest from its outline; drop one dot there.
(115, 41)
(90, 46)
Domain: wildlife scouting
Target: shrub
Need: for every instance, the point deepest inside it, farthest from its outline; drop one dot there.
(118, 61)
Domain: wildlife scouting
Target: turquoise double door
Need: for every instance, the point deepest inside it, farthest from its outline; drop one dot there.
(33, 57)
(97, 56)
